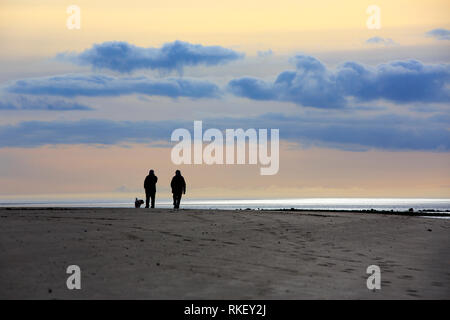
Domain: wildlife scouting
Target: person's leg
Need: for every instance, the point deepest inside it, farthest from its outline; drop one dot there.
(174, 200)
(147, 199)
(153, 199)
(179, 200)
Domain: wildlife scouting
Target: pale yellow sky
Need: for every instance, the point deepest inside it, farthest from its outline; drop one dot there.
(30, 28)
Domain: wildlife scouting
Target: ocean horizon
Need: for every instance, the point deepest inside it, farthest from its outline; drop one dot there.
(379, 204)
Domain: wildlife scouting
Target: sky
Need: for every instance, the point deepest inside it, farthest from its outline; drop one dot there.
(362, 112)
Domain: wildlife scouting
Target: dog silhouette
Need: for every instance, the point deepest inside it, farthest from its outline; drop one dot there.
(138, 203)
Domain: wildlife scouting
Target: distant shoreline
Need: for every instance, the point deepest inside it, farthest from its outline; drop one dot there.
(419, 213)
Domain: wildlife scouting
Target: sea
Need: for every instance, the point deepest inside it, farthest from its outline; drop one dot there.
(385, 204)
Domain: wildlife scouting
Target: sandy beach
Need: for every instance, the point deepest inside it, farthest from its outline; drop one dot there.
(212, 254)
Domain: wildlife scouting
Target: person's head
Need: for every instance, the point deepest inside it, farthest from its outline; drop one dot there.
(178, 173)
(151, 172)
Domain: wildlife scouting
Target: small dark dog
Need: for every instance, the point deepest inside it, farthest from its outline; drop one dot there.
(138, 203)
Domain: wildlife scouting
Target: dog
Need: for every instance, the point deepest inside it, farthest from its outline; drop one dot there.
(138, 203)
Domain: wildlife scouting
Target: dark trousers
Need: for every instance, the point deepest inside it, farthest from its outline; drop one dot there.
(150, 194)
(176, 200)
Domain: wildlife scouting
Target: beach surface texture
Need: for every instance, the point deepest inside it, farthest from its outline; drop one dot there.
(219, 254)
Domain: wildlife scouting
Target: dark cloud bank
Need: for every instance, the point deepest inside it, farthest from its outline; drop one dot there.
(19, 102)
(387, 132)
(94, 85)
(313, 84)
(125, 58)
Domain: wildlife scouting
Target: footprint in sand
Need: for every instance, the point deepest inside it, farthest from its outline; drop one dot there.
(413, 293)
(436, 284)
(329, 264)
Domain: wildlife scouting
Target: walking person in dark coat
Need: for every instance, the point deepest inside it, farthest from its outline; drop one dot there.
(150, 188)
(178, 186)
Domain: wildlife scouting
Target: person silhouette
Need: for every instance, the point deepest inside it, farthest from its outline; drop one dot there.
(178, 186)
(150, 188)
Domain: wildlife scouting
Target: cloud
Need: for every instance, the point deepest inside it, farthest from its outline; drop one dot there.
(440, 34)
(92, 85)
(125, 58)
(398, 81)
(90, 131)
(313, 84)
(19, 102)
(385, 132)
(264, 54)
(310, 85)
(380, 40)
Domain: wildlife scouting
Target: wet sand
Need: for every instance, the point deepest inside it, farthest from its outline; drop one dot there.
(213, 254)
